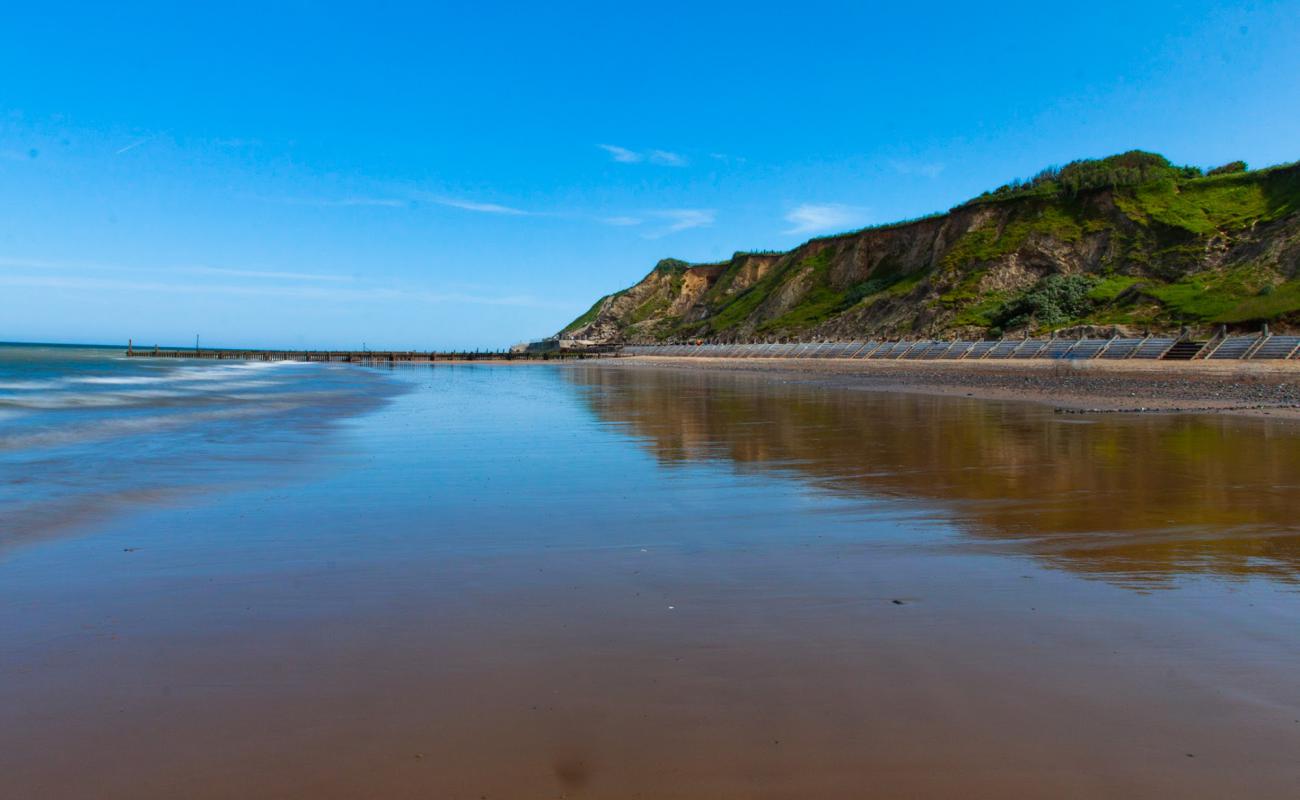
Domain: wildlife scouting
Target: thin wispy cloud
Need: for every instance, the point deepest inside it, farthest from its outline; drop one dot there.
(271, 275)
(133, 145)
(818, 218)
(685, 218)
(365, 201)
(237, 142)
(667, 158)
(314, 293)
(680, 219)
(82, 266)
(344, 202)
(660, 222)
(40, 263)
(623, 155)
(482, 208)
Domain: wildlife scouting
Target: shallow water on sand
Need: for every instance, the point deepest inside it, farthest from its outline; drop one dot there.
(594, 581)
(84, 429)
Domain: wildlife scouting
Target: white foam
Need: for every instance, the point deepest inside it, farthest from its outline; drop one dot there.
(59, 400)
(229, 385)
(217, 378)
(29, 384)
(126, 380)
(116, 428)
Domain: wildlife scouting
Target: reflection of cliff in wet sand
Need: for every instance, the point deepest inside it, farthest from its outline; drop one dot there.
(1133, 499)
(1259, 388)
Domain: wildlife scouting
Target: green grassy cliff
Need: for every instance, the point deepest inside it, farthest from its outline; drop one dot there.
(1129, 242)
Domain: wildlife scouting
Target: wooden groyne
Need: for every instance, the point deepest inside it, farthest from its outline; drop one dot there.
(364, 356)
(1262, 346)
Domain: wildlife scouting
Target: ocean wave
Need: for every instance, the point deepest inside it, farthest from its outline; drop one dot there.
(119, 428)
(124, 380)
(93, 432)
(115, 391)
(87, 400)
(11, 385)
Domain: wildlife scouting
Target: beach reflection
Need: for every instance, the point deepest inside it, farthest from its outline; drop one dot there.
(1140, 501)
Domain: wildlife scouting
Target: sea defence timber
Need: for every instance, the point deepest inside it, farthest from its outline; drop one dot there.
(1262, 346)
(364, 356)
(1254, 347)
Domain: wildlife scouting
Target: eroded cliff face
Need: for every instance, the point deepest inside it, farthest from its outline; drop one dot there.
(1157, 256)
(673, 292)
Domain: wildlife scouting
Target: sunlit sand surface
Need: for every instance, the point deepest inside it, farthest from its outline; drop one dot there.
(586, 581)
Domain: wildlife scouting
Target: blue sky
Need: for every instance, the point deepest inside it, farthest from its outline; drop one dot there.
(473, 174)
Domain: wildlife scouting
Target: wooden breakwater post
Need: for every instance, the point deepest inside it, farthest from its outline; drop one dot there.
(372, 357)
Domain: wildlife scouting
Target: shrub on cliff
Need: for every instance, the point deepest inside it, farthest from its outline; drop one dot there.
(1133, 168)
(1230, 168)
(1052, 302)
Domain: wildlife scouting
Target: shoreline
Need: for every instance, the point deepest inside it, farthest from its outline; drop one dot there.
(1269, 389)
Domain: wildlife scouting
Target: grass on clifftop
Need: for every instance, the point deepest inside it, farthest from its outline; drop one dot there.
(1178, 212)
(1144, 230)
(587, 317)
(1205, 206)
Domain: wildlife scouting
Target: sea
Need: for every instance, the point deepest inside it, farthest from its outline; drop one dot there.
(85, 430)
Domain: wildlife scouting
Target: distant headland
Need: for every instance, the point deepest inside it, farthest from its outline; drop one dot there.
(1125, 245)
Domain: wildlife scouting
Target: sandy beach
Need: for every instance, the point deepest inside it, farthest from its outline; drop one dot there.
(1239, 387)
(623, 579)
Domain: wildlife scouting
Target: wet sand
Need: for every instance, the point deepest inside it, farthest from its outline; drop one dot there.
(617, 582)
(1258, 387)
